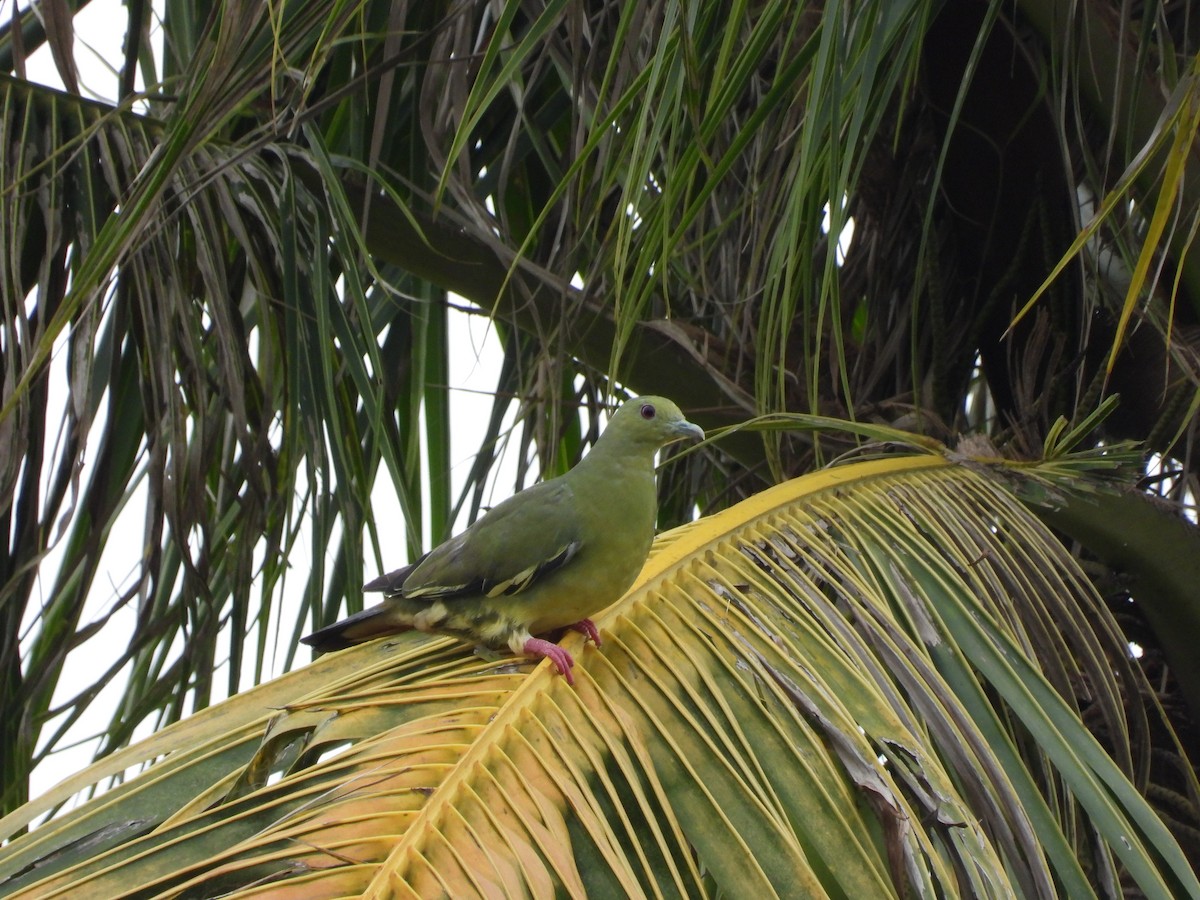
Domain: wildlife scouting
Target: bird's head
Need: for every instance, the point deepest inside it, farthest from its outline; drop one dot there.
(651, 422)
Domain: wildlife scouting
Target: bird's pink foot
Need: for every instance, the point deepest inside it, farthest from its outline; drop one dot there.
(561, 658)
(588, 628)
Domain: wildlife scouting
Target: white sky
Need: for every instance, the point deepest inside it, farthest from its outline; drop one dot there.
(475, 359)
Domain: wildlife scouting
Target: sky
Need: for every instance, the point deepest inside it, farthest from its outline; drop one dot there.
(474, 364)
(473, 368)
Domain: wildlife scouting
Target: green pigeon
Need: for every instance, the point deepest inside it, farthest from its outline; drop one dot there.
(546, 558)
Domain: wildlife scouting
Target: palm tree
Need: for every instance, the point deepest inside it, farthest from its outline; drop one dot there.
(241, 282)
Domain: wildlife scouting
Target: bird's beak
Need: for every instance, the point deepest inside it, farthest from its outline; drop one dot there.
(686, 431)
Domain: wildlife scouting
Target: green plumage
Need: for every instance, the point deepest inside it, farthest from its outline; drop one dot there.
(546, 558)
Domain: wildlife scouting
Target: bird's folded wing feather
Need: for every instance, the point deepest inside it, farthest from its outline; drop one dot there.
(517, 543)
(392, 582)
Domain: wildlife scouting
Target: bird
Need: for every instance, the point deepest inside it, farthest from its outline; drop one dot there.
(549, 557)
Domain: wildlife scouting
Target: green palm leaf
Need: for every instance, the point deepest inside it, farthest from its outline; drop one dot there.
(863, 682)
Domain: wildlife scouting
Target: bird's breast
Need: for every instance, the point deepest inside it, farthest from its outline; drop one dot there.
(616, 540)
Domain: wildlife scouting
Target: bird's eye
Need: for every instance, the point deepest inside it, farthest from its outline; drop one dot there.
(648, 411)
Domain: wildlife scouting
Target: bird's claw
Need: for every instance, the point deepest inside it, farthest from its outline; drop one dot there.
(588, 629)
(561, 658)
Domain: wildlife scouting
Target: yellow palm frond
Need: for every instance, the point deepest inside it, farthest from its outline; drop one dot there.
(865, 682)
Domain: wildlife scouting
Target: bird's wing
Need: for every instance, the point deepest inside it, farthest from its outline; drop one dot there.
(515, 544)
(392, 582)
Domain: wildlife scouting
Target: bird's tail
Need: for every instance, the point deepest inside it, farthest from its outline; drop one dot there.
(355, 629)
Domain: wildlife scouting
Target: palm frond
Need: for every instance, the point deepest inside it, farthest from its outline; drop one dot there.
(874, 679)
